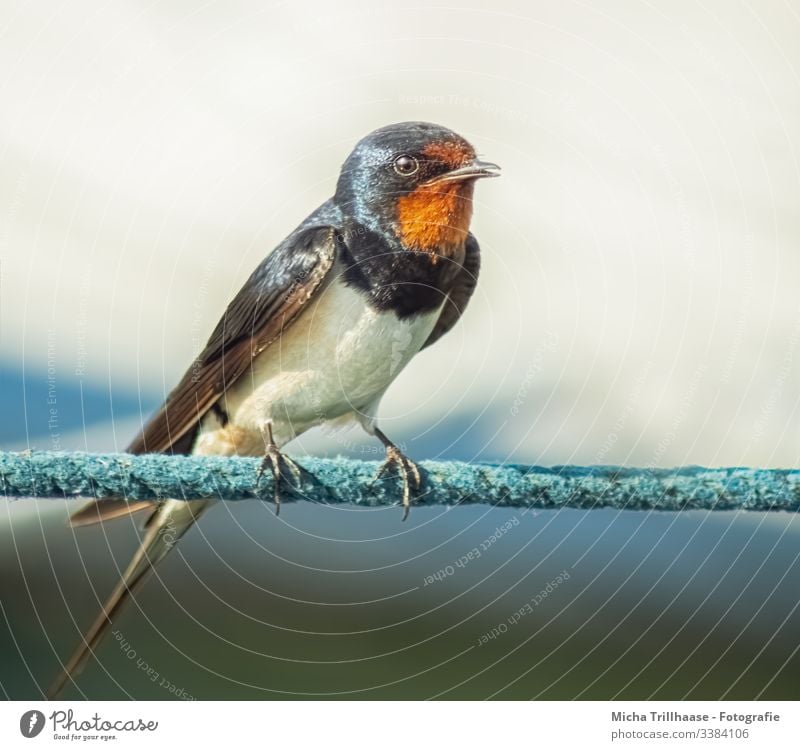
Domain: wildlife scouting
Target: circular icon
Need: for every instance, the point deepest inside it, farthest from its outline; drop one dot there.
(31, 723)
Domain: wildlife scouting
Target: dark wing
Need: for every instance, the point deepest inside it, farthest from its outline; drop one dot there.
(268, 302)
(460, 293)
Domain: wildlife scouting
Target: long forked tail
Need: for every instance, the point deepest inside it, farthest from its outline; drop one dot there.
(168, 524)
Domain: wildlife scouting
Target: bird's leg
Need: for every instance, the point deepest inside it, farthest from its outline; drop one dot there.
(276, 461)
(406, 469)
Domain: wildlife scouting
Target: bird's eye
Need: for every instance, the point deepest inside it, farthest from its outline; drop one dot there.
(405, 165)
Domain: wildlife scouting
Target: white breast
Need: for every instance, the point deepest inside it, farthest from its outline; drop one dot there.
(339, 356)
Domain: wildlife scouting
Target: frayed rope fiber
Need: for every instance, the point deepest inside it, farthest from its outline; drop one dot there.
(341, 480)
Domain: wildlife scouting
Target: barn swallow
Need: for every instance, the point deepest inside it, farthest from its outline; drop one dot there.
(319, 331)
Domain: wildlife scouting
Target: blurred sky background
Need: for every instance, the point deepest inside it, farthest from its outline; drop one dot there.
(637, 304)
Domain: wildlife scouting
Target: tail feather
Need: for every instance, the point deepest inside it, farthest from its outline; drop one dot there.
(106, 509)
(168, 524)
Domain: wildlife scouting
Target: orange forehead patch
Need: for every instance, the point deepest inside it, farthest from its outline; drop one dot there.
(452, 153)
(435, 218)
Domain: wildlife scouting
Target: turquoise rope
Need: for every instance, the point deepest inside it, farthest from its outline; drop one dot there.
(340, 480)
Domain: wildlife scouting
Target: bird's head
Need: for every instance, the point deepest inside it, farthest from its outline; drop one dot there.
(414, 179)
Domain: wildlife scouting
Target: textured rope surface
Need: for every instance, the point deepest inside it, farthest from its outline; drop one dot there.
(339, 480)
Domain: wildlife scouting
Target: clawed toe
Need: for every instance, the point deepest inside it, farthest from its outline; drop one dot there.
(405, 468)
(277, 463)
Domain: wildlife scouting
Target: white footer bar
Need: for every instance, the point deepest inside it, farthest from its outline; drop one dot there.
(402, 725)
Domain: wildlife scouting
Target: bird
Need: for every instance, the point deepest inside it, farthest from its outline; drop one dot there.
(317, 333)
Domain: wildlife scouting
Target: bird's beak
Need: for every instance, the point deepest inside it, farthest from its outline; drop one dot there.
(472, 171)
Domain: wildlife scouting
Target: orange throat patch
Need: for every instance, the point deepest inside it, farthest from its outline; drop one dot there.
(435, 218)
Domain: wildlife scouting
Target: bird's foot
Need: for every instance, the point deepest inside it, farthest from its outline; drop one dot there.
(397, 462)
(277, 463)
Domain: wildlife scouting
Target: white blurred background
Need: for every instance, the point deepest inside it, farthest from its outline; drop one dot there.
(638, 302)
